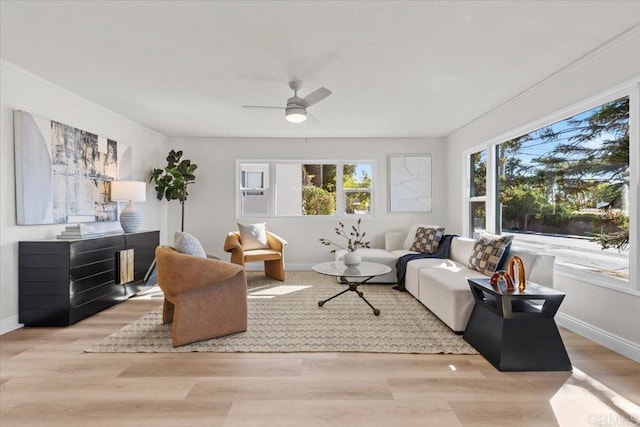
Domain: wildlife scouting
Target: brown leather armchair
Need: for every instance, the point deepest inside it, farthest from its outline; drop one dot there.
(273, 257)
(203, 297)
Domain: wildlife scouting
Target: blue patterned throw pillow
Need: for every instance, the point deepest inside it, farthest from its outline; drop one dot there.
(488, 252)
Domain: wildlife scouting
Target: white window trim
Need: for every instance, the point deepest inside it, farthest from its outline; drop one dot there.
(339, 189)
(631, 89)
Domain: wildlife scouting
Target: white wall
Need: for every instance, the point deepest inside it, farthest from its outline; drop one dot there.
(210, 209)
(20, 90)
(610, 316)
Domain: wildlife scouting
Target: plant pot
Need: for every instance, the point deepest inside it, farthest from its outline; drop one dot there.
(352, 259)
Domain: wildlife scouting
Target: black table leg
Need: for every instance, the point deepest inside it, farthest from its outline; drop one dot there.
(353, 287)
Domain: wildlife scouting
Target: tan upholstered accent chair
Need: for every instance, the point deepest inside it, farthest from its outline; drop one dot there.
(203, 297)
(273, 257)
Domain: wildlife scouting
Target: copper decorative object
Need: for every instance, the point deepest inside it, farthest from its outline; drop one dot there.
(497, 276)
(521, 278)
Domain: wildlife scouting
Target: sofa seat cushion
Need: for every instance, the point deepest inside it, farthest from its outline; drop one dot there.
(401, 252)
(445, 291)
(411, 278)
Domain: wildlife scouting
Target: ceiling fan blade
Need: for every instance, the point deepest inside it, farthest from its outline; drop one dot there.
(314, 97)
(312, 119)
(263, 106)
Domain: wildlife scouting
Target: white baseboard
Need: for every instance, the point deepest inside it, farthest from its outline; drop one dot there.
(613, 342)
(300, 266)
(9, 324)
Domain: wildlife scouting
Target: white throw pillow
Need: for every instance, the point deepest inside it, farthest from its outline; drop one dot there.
(411, 235)
(253, 236)
(186, 244)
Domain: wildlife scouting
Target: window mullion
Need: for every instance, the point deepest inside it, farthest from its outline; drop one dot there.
(634, 184)
(492, 203)
(340, 195)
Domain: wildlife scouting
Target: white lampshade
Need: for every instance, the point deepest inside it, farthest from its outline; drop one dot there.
(128, 191)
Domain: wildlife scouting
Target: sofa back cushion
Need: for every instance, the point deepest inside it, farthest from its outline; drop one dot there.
(461, 248)
(538, 268)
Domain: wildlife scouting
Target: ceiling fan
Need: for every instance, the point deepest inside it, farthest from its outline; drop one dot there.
(296, 109)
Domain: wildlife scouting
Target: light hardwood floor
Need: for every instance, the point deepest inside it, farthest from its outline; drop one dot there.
(47, 379)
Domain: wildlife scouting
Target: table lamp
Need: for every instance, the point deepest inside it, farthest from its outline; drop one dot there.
(129, 191)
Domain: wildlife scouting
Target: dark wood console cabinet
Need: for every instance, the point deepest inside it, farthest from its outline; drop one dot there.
(64, 281)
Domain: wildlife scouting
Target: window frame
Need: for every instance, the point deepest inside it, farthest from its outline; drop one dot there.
(469, 200)
(340, 191)
(629, 89)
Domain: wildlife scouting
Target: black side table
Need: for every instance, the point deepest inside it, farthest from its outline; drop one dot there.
(515, 331)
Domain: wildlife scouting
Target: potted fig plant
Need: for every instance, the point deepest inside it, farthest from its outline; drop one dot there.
(172, 181)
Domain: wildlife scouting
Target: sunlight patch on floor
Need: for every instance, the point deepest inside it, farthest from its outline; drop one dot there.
(584, 401)
(152, 293)
(278, 290)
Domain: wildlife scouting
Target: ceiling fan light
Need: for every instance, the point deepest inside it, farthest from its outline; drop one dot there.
(296, 114)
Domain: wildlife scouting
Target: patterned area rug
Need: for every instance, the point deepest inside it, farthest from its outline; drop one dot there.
(285, 317)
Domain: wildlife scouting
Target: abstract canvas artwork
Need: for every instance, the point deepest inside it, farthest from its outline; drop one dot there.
(409, 183)
(63, 173)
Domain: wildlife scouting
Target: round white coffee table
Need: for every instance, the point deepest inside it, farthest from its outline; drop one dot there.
(365, 271)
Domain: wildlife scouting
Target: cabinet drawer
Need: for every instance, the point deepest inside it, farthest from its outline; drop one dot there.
(89, 270)
(150, 238)
(107, 290)
(79, 246)
(44, 302)
(51, 260)
(80, 285)
(91, 257)
(44, 275)
(44, 317)
(44, 288)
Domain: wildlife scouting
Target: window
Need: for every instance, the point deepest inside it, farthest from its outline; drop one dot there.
(305, 188)
(563, 188)
(477, 192)
(356, 185)
(254, 189)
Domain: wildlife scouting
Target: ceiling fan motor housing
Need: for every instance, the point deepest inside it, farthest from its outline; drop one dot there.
(294, 112)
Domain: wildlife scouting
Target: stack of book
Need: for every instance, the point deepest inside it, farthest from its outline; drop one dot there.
(80, 231)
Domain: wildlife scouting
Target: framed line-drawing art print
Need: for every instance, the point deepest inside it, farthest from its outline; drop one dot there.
(409, 182)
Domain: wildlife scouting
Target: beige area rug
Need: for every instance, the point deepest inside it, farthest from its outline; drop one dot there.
(285, 317)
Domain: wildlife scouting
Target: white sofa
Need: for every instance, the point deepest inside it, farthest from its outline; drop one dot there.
(441, 284)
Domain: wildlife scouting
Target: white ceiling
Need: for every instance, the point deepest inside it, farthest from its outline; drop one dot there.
(401, 69)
